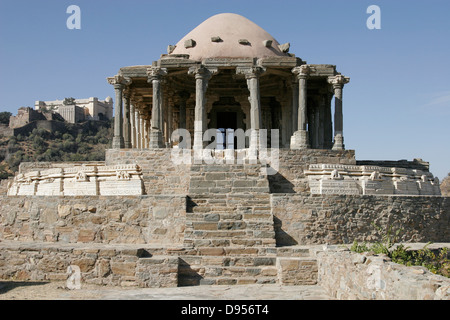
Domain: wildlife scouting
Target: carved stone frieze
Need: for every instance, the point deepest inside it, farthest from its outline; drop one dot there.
(80, 180)
(370, 180)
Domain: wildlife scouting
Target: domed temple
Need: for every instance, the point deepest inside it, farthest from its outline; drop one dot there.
(228, 73)
(227, 166)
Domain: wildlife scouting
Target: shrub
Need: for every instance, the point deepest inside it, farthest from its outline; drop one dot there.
(437, 263)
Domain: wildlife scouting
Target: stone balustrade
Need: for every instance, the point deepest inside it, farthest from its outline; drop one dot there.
(86, 180)
(370, 180)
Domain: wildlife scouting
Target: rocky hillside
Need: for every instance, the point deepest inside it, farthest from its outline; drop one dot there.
(80, 142)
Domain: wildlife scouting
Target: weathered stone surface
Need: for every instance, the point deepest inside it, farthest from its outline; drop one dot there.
(376, 278)
(123, 268)
(343, 219)
(297, 271)
(100, 220)
(99, 264)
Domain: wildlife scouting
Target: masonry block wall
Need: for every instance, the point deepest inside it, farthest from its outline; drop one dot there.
(160, 174)
(94, 219)
(160, 216)
(320, 219)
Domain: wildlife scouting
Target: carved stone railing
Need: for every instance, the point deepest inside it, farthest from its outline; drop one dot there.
(370, 180)
(79, 181)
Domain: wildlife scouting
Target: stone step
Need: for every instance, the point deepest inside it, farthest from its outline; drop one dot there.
(297, 271)
(294, 251)
(247, 268)
(226, 270)
(227, 241)
(227, 216)
(209, 248)
(227, 179)
(238, 242)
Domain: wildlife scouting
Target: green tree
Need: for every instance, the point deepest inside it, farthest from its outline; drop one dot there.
(4, 117)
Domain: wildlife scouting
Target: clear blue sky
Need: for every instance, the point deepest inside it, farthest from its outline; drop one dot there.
(397, 105)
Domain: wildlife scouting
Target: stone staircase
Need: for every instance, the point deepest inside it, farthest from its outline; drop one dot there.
(230, 236)
(256, 265)
(228, 206)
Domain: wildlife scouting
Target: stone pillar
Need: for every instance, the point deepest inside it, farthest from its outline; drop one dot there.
(300, 139)
(133, 125)
(202, 76)
(338, 82)
(295, 96)
(126, 119)
(316, 128)
(147, 125)
(322, 108)
(138, 130)
(154, 76)
(252, 76)
(145, 133)
(286, 122)
(183, 98)
(119, 83)
(328, 122)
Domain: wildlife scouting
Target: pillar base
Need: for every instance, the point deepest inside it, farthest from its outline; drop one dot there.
(155, 139)
(253, 150)
(128, 145)
(338, 142)
(300, 140)
(199, 144)
(118, 143)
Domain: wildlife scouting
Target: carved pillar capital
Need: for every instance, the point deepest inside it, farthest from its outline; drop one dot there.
(303, 71)
(250, 72)
(202, 72)
(119, 81)
(338, 81)
(155, 73)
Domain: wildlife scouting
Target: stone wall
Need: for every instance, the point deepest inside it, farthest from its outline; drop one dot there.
(342, 219)
(160, 174)
(445, 186)
(117, 265)
(94, 219)
(24, 116)
(346, 275)
(291, 176)
(50, 125)
(162, 219)
(5, 130)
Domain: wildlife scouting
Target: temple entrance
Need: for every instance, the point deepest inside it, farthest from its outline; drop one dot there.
(226, 125)
(226, 116)
(227, 120)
